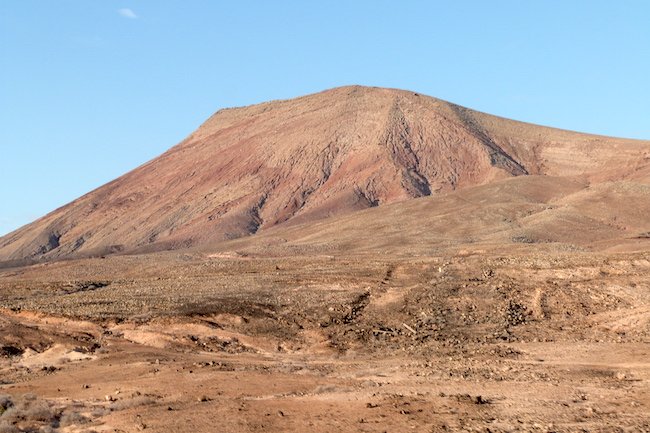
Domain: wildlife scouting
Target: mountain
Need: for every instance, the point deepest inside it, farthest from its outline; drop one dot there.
(298, 161)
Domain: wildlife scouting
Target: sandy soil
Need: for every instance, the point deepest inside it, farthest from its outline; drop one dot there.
(469, 342)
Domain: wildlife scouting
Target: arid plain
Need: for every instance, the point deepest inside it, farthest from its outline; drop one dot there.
(361, 259)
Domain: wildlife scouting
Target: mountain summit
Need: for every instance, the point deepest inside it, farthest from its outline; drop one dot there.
(295, 161)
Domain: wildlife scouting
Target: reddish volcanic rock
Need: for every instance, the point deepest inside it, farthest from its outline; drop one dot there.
(305, 159)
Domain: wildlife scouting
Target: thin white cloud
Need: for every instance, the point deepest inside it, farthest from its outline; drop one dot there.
(127, 13)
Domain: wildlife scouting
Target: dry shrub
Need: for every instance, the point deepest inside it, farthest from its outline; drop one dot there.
(6, 427)
(31, 413)
(99, 412)
(5, 403)
(72, 418)
(331, 389)
(132, 402)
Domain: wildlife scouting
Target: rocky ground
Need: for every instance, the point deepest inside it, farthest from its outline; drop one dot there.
(193, 342)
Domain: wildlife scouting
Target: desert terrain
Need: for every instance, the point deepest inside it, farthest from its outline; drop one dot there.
(362, 259)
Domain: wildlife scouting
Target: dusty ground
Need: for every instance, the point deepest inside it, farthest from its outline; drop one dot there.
(536, 340)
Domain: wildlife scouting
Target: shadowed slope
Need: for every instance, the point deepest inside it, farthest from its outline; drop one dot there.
(305, 159)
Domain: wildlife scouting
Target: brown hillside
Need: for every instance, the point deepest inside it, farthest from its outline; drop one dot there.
(301, 160)
(526, 213)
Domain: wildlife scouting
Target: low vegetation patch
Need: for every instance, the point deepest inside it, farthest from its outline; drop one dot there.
(27, 413)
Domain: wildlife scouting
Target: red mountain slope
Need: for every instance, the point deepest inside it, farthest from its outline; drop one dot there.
(305, 159)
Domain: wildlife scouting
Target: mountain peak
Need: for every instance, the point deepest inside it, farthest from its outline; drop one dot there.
(251, 168)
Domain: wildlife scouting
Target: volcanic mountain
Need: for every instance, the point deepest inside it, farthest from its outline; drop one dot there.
(293, 162)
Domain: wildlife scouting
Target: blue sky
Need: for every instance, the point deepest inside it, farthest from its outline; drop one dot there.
(91, 89)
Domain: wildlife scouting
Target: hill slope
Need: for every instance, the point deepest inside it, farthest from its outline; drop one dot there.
(305, 159)
(525, 213)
